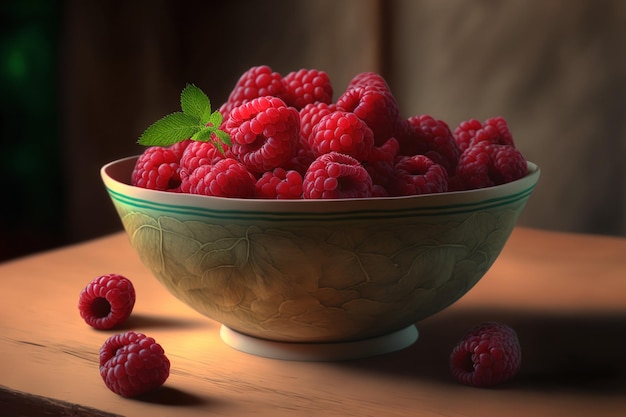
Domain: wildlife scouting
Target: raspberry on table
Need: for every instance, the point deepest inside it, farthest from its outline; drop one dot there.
(485, 164)
(279, 184)
(307, 86)
(264, 133)
(258, 81)
(417, 174)
(158, 168)
(226, 178)
(342, 132)
(336, 175)
(487, 355)
(107, 301)
(132, 364)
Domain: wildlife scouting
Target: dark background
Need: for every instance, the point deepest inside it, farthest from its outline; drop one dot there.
(80, 80)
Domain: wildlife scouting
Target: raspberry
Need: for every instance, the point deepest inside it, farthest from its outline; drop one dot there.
(256, 82)
(107, 301)
(132, 364)
(264, 133)
(433, 138)
(375, 106)
(368, 79)
(279, 184)
(486, 356)
(495, 130)
(197, 154)
(485, 165)
(226, 178)
(418, 174)
(336, 175)
(157, 168)
(307, 86)
(342, 132)
(381, 162)
(310, 115)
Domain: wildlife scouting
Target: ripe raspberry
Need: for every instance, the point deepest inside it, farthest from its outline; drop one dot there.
(335, 175)
(307, 86)
(197, 154)
(264, 133)
(256, 82)
(157, 168)
(418, 174)
(380, 164)
(310, 115)
(132, 364)
(433, 138)
(486, 164)
(486, 356)
(279, 184)
(342, 132)
(494, 130)
(226, 178)
(376, 107)
(107, 301)
(368, 79)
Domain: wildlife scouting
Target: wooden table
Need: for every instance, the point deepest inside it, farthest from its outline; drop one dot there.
(565, 295)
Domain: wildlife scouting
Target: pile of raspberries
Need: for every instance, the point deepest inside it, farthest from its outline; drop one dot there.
(289, 140)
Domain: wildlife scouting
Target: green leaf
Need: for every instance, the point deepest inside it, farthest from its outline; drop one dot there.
(223, 137)
(170, 129)
(194, 102)
(203, 135)
(216, 119)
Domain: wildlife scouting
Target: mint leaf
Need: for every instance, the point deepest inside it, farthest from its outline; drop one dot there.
(215, 119)
(195, 103)
(203, 135)
(170, 129)
(223, 137)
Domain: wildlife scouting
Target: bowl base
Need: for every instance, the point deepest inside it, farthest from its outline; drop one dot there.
(319, 352)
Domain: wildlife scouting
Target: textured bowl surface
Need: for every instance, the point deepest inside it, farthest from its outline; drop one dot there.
(317, 270)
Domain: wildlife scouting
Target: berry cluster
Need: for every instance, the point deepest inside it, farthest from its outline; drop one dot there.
(289, 140)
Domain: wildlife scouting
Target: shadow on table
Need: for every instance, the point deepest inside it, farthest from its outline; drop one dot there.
(577, 351)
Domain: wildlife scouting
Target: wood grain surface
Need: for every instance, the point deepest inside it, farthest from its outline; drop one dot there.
(563, 293)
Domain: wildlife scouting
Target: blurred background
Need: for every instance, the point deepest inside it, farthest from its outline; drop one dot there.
(81, 79)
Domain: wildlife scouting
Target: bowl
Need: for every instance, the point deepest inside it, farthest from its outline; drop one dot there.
(317, 271)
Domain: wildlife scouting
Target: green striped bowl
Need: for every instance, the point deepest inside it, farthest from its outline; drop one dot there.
(317, 270)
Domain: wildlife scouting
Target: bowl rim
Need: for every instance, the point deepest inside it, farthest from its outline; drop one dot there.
(116, 178)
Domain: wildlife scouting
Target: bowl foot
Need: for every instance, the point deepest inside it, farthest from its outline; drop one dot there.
(312, 352)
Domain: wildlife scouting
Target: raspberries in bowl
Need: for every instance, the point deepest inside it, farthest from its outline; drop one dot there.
(290, 217)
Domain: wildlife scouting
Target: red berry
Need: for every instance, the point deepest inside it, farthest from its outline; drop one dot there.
(336, 175)
(132, 364)
(256, 82)
(226, 178)
(418, 174)
(264, 133)
(279, 184)
(198, 154)
(375, 106)
(380, 164)
(107, 301)
(368, 79)
(471, 132)
(486, 164)
(307, 86)
(433, 138)
(157, 168)
(310, 115)
(487, 355)
(342, 132)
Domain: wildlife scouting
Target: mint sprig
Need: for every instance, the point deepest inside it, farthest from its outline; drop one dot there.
(196, 121)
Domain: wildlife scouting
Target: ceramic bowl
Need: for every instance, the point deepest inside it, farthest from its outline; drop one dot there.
(315, 271)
